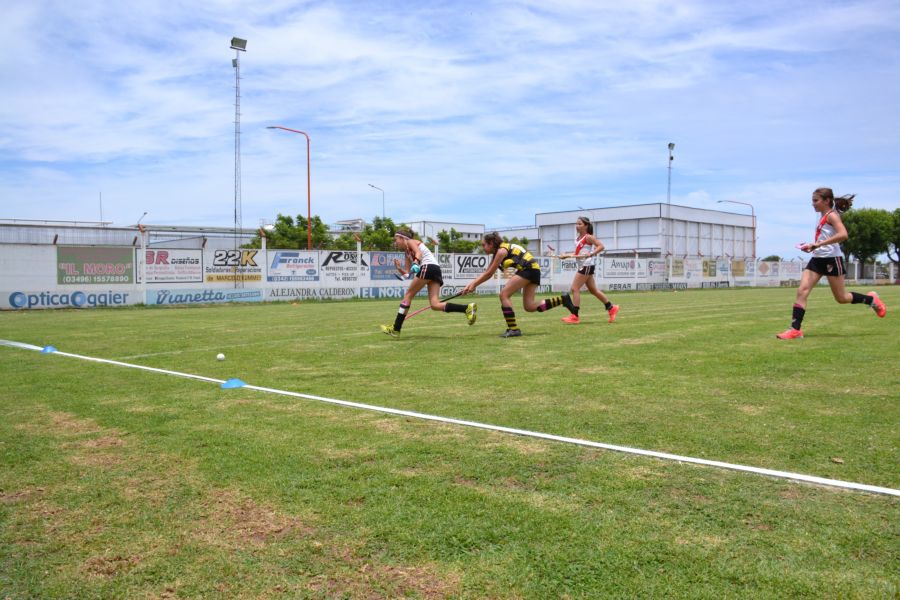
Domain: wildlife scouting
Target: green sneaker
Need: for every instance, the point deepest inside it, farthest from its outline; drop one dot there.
(389, 329)
(470, 312)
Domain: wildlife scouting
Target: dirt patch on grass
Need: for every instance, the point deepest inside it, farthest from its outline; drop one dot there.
(235, 521)
(752, 410)
(24, 495)
(109, 566)
(370, 582)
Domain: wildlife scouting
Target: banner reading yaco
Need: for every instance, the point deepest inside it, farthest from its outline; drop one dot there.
(382, 265)
(233, 265)
(469, 266)
(172, 266)
(94, 265)
(293, 265)
(341, 267)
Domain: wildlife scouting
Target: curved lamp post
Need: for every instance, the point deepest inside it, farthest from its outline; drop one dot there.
(308, 193)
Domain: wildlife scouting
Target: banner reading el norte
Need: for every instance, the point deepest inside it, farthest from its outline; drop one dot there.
(94, 265)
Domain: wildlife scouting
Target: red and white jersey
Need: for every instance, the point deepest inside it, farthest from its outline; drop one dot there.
(582, 248)
(427, 256)
(824, 230)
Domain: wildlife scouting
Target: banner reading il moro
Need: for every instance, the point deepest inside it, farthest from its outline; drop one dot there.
(94, 265)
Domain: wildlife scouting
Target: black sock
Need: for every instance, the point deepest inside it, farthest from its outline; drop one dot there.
(575, 310)
(401, 315)
(510, 316)
(798, 314)
(608, 305)
(861, 299)
(450, 307)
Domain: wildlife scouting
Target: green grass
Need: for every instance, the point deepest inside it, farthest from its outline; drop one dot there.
(116, 482)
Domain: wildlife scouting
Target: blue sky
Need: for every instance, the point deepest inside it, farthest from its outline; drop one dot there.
(479, 112)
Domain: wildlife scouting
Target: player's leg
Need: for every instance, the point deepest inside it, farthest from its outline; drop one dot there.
(611, 308)
(512, 286)
(808, 281)
(414, 287)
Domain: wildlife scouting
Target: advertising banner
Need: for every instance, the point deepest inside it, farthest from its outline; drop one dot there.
(293, 294)
(93, 265)
(201, 296)
(709, 269)
(343, 266)
(767, 269)
(469, 266)
(619, 268)
(56, 299)
(791, 269)
(738, 268)
(677, 267)
(693, 268)
(382, 265)
(293, 265)
(657, 268)
(228, 266)
(171, 266)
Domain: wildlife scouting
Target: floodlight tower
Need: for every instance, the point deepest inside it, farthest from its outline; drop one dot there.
(238, 45)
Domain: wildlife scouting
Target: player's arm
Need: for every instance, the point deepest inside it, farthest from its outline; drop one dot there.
(495, 264)
(598, 246)
(840, 232)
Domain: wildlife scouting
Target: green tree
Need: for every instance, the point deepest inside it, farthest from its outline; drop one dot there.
(869, 231)
(895, 237)
(289, 233)
(452, 242)
(772, 258)
(379, 235)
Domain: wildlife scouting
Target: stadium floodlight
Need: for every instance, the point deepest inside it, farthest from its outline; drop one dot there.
(238, 44)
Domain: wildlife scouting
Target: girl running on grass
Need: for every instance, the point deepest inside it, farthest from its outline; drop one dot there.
(827, 260)
(526, 278)
(424, 269)
(586, 248)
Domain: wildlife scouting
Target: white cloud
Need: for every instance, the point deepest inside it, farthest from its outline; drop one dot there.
(476, 112)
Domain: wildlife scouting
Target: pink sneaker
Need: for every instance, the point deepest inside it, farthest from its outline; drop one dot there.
(571, 319)
(790, 334)
(877, 305)
(613, 312)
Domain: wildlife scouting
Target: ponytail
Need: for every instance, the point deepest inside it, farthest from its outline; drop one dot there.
(844, 203)
(841, 204)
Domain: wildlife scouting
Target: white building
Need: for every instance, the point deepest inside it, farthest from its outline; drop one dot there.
(654, 231)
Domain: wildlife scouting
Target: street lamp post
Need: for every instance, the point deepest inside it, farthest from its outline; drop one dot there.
(308, 193)
(669, 188)
(752, 216)
(382, 199)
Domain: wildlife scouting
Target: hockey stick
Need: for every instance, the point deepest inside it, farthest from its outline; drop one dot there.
(424, 308)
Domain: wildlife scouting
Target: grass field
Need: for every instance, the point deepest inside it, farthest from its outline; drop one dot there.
(116, 482)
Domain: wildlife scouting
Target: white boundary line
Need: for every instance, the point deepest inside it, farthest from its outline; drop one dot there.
(499, 428)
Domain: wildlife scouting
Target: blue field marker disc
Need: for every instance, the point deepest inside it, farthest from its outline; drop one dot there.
(48, 349)
(232, 383)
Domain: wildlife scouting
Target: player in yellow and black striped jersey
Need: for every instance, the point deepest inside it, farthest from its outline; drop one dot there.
(526, 278)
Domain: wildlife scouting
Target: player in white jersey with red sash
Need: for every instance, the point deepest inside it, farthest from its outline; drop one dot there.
(424, 269)
(827, 261)
(586, 248)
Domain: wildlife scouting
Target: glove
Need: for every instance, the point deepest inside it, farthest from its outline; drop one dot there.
(415, 269)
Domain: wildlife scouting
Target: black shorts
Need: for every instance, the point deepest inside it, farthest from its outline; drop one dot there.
(431, 273)
(532, 275)
(589, 270)
(832, 266)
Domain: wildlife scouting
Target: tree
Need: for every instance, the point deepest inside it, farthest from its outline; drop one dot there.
(772, 258)
(379, 235)
(292, 234)
(869, 231)
(895, 237)
(452, 242)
